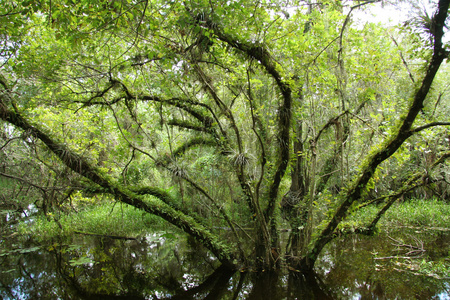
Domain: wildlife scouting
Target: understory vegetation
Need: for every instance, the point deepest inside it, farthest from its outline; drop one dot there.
(119, 220)
(423, 213)
(107, 219)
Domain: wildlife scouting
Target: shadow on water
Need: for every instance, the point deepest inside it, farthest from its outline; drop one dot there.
(161, 266)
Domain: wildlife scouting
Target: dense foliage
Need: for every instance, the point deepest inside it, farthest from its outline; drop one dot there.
(241, 115)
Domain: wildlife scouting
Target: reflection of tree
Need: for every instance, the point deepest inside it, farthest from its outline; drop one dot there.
(136, 270)
(30, 276)
(214, 287)
(308, 286)
(223, 283)
(352, 271)
(79, 279)
(131, 269)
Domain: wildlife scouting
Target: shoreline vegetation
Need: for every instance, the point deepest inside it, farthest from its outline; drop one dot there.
(110, 219)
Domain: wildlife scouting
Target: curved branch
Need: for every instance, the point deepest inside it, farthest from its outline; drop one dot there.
(181, 103)
(198, 141)
(330, 122)
(417, 180)
(43, 189)
(187, 125)
(158, 193)
(260, 53)
(9, 141)
(229, 115)
(255, 118)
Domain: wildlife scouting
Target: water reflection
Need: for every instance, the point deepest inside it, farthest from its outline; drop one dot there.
(162, 266)
(361, 267)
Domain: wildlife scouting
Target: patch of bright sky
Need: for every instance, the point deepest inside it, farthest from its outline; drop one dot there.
(384, 14)
(395, 14)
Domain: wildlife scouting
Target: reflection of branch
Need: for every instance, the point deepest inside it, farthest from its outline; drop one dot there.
(215, 285)
(31, 277)
(114, 237)
(414, 250)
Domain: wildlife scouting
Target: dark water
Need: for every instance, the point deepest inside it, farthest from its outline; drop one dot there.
(161, 266)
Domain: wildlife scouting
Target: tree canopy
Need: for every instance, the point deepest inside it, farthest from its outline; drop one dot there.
(240, 114)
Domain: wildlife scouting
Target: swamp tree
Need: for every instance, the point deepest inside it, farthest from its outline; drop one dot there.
(238, 115)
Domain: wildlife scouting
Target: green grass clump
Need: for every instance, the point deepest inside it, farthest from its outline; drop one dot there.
(414, 212)
(419, 212)
(105, 219)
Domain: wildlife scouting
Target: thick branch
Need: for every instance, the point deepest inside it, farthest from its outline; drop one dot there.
(198, 141)
(186, 105)
(187, 125)
(413, 182)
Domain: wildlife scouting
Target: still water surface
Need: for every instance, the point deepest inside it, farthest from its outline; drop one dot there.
(164, 266)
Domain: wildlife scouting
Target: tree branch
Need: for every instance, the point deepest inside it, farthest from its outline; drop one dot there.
(420, 128)
(260, 53)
